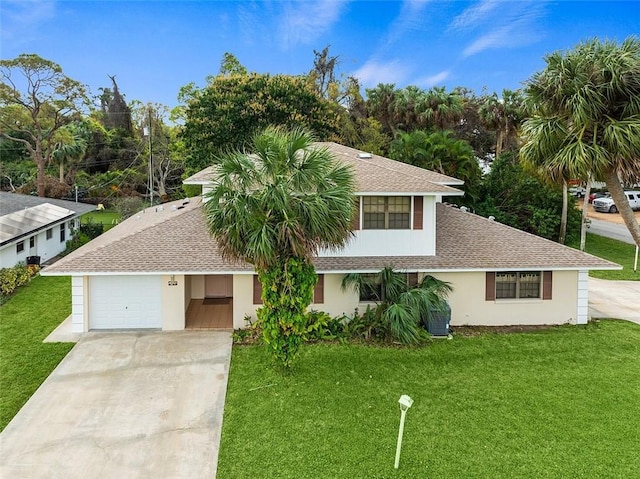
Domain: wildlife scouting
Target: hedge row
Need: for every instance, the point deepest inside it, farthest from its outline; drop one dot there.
(12, 278)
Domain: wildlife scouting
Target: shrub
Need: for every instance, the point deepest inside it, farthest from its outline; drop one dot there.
(92, 229)
(321, 326)
(12, 278)
(74, 243)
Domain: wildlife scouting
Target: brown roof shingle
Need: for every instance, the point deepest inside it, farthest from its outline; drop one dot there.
(177, 241)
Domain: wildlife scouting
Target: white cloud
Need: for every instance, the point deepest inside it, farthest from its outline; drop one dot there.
(22, 18)
(505, 24)
(409, 18)
(374, 72)
(433, 80)
(304, 22)
(471, 16)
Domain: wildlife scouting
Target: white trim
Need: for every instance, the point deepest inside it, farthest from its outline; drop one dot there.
(454, 192)
(582, 308)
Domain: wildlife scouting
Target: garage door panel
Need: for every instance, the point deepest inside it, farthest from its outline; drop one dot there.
(125, 302)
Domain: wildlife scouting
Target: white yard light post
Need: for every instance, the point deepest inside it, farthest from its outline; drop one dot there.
(405, 403)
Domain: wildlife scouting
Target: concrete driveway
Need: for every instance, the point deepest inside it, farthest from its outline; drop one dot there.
(125, 405)
(614, 299)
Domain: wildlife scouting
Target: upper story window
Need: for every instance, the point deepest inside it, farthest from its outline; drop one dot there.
(518, 285)
(386, 212)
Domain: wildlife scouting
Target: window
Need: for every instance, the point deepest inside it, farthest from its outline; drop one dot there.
(62, 233)
(371, 289)
(386, 212)
(50, 233)
(32, 242)
(518, 285)
(20, 247)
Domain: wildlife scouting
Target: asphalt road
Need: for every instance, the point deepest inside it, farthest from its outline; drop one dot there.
(611, 230)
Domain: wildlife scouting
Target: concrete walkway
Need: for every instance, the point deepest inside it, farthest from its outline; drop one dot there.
(125, 405)
(614, 299)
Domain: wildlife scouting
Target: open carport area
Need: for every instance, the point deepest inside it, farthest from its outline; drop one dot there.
(125, 404)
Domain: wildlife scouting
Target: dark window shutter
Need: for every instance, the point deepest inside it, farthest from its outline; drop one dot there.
(257, 290)
(318, 292)
(547, 284)
(417, 212)
(355, 224)
(412, 280)
(490, 287)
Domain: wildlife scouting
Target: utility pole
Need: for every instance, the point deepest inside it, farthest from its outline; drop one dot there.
(147, 131)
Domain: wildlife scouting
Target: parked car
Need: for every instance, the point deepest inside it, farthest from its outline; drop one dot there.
(577, 191)
(595, 196)
(606, 204)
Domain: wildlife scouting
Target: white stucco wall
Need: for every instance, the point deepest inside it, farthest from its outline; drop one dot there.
(394, 242)
(187, 292)
(173, 308)
(243, 300)
(468, 305)
(197, 286)
(79, 304)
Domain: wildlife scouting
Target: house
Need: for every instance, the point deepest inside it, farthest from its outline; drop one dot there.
(31, 226)
(161, 269)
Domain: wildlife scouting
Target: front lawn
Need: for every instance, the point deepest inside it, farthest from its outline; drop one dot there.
(25, 320)
(108, 218)
(612, 250)
(556, 403)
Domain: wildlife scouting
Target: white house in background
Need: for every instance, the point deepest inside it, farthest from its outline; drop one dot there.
(161, 269)
(31, 226)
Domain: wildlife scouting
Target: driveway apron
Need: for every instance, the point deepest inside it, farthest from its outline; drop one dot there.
(614, 299)
(125, 405)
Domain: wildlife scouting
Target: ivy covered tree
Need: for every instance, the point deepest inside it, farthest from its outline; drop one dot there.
(230, 110)
(275, 208)
(36, 101)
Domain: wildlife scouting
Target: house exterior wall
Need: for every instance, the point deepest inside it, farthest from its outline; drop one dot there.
(79, 304)
(243, 300)
(197, 286)
(187, 292)
(173, 302)
(469, 307)
(43, 247)
(409, 242)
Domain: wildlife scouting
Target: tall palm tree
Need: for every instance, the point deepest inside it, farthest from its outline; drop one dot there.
(586, 117)
(440, 109)
(380, 104)
(275, 208)
(503, 115)
(401, 307)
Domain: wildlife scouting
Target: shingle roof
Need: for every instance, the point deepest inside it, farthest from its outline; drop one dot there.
(23, 214)
(374, 174)
(12, 202)
(177, 241)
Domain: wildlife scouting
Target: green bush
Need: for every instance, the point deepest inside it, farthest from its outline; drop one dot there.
(92, 229)
(12, 278)
(321, 326)
(74, 243)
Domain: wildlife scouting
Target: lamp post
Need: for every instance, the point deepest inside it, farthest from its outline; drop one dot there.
(405, 403)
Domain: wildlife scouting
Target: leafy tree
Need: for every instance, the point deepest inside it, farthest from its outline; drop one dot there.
(519, 199)
(230, 65)
(503, 115)
(586, 117)
(440, 109)
(36, 101)
(440, 151)
(117, 114)
(323, 76)
(471, 127)
(381, 104)
(230, 110)
(401, 308)
(275, 209)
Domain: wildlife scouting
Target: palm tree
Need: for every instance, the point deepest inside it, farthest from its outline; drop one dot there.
(503, 115)
(586, 117)
(440, 109)
(275, 208)
(380, 104)
(401, 307)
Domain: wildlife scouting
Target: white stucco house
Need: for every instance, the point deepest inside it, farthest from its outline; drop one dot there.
(161, 269)
(31, 226)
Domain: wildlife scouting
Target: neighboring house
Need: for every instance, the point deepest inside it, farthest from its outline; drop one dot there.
(161, 268)
(31, 226)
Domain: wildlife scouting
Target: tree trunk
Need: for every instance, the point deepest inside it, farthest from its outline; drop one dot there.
(620, 199)
(585, 206)
(41, 163)
(62, 170)
(565, 209)
(499, 141)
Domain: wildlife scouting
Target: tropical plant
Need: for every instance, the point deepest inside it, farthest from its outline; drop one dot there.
(275, 209)
(36, 101)
(401, 307)
(586, 117)
(504, 115)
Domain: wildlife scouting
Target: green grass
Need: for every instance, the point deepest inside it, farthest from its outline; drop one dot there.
(556, 403)
(25, 320)
(108, 218)
(613, 250)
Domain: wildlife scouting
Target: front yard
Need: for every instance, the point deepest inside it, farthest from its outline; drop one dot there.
(613, 250)
(556, 403)
(25, 320)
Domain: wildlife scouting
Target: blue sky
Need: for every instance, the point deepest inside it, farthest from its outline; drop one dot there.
(154, 47)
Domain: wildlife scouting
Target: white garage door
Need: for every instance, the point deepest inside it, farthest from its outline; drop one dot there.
(125, 302)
